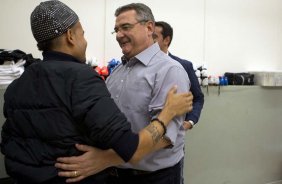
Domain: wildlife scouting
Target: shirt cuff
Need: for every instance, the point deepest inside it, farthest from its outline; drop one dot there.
(191, 122)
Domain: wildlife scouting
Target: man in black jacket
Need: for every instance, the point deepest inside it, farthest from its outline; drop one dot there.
(61, 101)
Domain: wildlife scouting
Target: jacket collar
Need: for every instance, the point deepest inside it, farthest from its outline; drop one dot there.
(58, 56)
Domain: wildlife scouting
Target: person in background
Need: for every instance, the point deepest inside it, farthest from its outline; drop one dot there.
(61, 101)
(163, 35)
(138, 86)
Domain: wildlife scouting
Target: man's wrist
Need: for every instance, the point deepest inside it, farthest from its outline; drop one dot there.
(188, 125)
(113, 158)
(192, 123)
(166, 116)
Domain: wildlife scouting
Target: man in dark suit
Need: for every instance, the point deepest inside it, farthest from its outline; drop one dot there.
(163, 35)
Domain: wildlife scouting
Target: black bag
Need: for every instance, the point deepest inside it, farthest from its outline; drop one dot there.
(240, 78)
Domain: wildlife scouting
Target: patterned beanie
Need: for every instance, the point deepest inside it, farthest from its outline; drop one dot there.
(51, 19)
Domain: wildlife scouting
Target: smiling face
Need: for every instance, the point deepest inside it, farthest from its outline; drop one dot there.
(132, 35)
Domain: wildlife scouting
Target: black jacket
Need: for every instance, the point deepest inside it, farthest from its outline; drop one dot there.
(53, 105)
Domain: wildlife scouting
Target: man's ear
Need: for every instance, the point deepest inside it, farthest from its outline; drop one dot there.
(150, 27)
(70, 36)
(167, 40)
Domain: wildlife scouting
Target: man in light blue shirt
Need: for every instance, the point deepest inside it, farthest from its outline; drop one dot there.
(139, 87)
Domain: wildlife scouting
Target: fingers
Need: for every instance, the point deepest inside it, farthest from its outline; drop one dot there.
(173, 90)
(72, 172)
(188, 100)
(75, 159)
(67, 167)
(76, 168)
(83, 148)
(186, 125)
(190, 108)
(72, 176)
(68, 160)
(190, 105)
(188, 95)
(76, 179)
(69, 174)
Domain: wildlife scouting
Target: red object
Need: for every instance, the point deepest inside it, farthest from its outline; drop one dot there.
(104, 71)
(98, 70)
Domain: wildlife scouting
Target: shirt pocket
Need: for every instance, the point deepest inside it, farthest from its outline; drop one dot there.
(137, 96)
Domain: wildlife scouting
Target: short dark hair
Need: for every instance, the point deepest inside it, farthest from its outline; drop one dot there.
(45, 45)
(144, 13)
(167, 29)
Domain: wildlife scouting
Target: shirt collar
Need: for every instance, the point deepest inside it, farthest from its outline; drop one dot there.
(145, 56)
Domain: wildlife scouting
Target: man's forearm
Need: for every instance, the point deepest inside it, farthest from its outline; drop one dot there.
(151, 137)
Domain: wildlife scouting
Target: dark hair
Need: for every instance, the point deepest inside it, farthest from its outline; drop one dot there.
(144, 13)
(166, 29)
(45, 45)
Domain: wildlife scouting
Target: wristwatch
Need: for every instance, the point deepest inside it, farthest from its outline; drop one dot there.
(192, 123)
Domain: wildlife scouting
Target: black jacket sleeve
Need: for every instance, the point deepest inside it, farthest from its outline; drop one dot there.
(106, 125)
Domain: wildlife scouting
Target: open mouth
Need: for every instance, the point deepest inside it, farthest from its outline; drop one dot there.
(123, 43)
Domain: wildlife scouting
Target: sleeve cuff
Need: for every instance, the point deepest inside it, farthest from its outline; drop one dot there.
(127, 145)
(191, 122)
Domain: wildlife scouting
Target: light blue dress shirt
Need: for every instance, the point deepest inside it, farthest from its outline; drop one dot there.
(139, 87)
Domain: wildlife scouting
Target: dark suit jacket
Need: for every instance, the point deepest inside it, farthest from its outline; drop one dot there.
(198, 100)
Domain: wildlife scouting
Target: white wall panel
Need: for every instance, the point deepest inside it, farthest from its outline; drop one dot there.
(243, 35)
(226, 35)
(15, 32)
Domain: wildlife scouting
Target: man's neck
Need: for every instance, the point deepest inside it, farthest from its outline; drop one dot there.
(166, 51)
